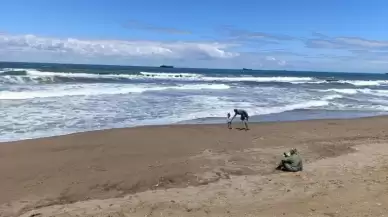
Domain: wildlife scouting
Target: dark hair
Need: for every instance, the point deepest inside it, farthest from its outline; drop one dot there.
(293, 151)
(235, 110)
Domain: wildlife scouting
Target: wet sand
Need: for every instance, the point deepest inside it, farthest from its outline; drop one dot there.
(200, 170)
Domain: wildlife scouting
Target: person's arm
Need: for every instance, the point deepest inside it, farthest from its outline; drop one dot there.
(288, 160)
(233, 117)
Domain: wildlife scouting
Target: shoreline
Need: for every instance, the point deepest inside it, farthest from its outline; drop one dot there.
(283, 117)
(80, 169)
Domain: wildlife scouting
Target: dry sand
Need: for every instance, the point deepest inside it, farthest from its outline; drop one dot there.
(200, 170)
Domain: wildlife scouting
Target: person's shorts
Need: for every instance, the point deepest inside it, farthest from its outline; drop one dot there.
(244, 117)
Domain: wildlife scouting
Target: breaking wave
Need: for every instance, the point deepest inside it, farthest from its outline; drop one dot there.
(383, 93)
(42, 100)
(28, 76)
(24, 76)
(92, 90)
(291, 107)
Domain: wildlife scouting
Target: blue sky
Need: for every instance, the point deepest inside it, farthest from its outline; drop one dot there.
(335, 35)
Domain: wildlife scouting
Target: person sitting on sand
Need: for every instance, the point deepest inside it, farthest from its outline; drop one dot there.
(243, 116)
(292, 162)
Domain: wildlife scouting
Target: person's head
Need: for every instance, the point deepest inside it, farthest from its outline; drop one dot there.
(293, 151)
(235, 110)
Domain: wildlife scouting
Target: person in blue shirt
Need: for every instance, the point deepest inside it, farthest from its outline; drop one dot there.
(243, 117)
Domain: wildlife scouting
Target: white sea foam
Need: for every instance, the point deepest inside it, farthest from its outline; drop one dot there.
(170, 75)
(14, 70)
(220, 106)
(343, 91)
(90, 90)
(383, 93)
(257, 79)
(352, 82)
(36, 74)
(331, 97)
(37, 109)
(290, 107)
(310, 82)
(364, 83)
(193, 76)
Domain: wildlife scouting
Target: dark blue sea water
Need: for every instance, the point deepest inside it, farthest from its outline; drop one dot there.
(40, 99)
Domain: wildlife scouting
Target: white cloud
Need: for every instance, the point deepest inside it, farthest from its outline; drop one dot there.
(347, 43)
(353, 41)
(276, 60)
(282, 62)
(347, 53)
(116, 48)
(32, 48)
(270, 58)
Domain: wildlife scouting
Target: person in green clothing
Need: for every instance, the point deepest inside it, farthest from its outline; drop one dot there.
(292, 162)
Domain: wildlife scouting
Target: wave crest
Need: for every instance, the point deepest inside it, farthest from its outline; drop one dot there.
(26, 76)
(92, 90)
(23, 76)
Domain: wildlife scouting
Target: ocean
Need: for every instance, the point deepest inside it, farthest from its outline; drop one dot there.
(40, 99)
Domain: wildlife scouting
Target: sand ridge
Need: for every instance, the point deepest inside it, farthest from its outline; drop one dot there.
(301, 194)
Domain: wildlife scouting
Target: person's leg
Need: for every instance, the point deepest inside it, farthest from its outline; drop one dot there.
(280, 166)
(244, 119)
(287, 167)
(246, 124)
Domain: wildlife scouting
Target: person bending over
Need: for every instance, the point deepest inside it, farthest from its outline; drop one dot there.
(292, 162)
(243, 116)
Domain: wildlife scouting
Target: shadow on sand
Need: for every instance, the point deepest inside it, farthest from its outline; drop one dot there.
(241, 128)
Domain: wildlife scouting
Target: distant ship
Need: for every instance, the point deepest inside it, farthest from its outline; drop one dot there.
(165, 66)
(245, 69)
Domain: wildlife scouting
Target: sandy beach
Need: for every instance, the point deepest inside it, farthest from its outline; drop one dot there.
(200, 170)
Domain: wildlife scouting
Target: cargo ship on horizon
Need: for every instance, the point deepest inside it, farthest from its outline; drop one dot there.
(166, 66)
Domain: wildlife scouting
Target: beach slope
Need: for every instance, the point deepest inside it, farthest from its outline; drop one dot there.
(200, 170)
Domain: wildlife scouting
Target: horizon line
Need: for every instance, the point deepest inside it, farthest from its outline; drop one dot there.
(139, 66)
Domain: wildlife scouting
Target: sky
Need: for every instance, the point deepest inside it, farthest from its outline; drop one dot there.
(329, 35)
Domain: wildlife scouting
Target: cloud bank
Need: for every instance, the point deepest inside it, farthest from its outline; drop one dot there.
(235, 33)
(144, 49)
(31, 47)
(347, 43)
(235, 48)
